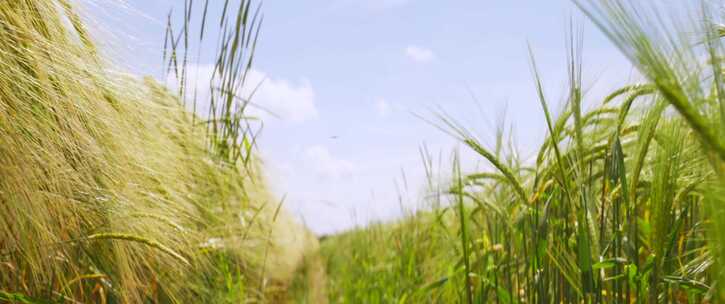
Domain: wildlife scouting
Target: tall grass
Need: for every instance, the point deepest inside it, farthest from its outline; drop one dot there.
(622, 205)
(231, 133)
(109, 190)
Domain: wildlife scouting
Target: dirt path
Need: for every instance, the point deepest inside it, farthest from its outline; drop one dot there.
(309, 284)
(316, 279)
(295, 264)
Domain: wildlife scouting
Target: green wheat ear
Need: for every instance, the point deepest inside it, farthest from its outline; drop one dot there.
(137, 239)
(625, 204)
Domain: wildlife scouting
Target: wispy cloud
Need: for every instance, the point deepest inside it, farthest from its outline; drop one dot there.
(326, 166)
(382, 107)
(419, 54)
(293, 102)
(284, 99)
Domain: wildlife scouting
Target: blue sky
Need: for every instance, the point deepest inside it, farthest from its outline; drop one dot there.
(348, 80)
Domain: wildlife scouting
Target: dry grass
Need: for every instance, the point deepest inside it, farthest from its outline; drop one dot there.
(108, 193)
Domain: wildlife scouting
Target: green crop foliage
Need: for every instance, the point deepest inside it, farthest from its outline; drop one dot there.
(623, 204)
(112, 192)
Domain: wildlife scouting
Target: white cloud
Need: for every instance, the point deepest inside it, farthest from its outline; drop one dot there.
(382, 107)
(419, 54)
(326, 166)
(294, 102)
(290, 101)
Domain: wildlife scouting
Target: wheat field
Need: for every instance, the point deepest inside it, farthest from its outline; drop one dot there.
(113, 191)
